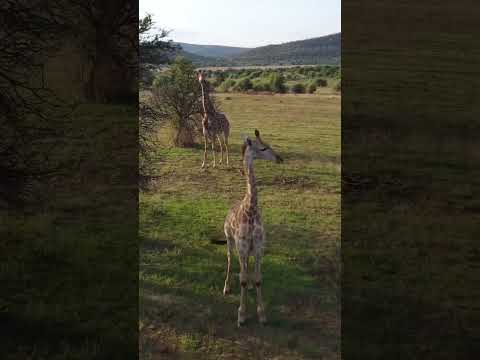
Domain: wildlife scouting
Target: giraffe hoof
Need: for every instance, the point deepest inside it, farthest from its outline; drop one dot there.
(226, 291)
(261, 316)
(242, 318)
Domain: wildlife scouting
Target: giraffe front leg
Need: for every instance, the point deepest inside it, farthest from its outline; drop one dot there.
(242, 310)
(204, 152)
(258, 284)
(249, 281)
(221, 149)
(226, 288)
(225, 142)
(213, 152)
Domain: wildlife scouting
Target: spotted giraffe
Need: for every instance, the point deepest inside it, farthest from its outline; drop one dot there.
(215, 125)
(244, 229)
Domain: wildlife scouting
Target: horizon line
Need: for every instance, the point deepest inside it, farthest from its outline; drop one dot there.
(253, 47)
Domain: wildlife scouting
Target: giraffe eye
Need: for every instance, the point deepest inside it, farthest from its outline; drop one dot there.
(263, 149)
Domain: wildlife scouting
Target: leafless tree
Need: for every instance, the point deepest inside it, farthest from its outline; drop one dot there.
(153, 48)
(28, 34)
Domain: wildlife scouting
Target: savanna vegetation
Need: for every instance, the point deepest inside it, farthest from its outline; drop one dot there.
(183, 313)
(297, 79)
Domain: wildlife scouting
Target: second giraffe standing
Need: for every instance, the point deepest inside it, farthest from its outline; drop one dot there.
(215, 125)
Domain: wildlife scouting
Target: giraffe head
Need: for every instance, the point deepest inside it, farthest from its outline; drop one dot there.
(200, 76)
(258, 149)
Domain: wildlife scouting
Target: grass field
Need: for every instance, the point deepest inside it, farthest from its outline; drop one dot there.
(68, 275)
(183, 313)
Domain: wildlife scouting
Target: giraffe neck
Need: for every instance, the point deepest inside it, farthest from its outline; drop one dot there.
(207, 105)
(250, 199)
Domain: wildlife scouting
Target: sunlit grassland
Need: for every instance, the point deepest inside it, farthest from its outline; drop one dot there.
(182, 309)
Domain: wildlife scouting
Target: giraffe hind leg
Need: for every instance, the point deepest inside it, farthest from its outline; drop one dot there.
(204, 152)
(258, 284)
(242, 310)
(226, 288)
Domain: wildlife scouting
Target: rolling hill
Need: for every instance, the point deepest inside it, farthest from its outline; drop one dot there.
(320, 50)
(215, 51)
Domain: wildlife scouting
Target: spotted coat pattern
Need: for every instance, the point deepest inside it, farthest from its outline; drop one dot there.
(243, 222)
(214, 123)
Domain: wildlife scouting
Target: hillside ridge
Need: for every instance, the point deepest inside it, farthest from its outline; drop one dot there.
(319, 50)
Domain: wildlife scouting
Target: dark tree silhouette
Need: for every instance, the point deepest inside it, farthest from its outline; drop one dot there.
(153, 48)
(28, 34)
(32, 115)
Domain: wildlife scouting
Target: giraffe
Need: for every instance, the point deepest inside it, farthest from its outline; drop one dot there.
(244, 229)
(215, 125)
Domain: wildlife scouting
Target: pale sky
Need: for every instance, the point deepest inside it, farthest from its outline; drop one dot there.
(248, 23)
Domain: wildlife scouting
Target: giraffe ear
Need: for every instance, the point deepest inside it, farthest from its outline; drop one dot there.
(257, 133)
(248, 141)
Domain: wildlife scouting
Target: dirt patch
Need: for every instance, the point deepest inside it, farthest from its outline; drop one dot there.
(157, 342)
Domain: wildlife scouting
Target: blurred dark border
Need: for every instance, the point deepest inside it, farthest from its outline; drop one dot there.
(410, 180)
(69, 179)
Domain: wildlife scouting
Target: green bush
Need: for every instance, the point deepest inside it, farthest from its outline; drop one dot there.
(243, 84)
(261, 86)
(298, 88)
(338, 86)
(311, 88)
(218, 79)
(227, 85)
(176, 93)
(277, 83)
(320, 82)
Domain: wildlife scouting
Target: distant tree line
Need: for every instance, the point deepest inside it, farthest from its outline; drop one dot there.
(276, 80)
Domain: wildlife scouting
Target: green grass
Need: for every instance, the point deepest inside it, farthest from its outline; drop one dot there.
(182, 309)
(67, 268)
(411, 272)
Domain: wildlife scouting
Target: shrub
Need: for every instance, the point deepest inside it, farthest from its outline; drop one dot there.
(243, 84)
(298, 88)
(227, 85)
(255, 74)
(261, 86)
(277, 83)
(176, 94)
(338, 86)
(311, 88)
(218, 79)
(320, 82)
(258, 86)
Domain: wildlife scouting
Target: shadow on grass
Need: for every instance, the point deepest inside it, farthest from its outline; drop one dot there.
(182, 289)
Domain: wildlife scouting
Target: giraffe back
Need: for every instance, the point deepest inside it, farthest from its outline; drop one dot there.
(216, 124)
